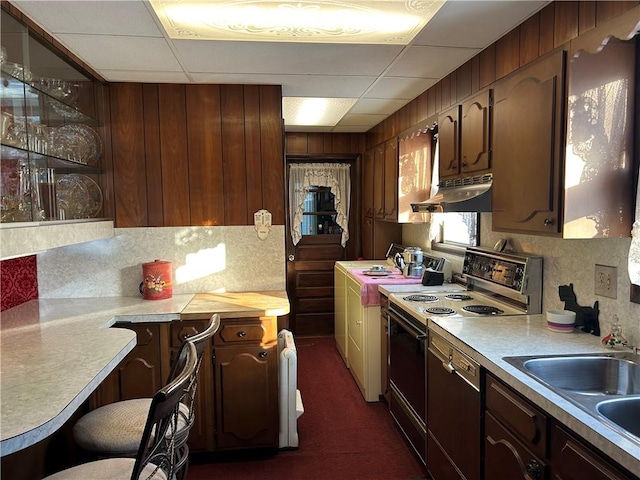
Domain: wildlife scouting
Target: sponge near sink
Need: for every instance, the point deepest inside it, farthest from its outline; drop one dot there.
(562, 321)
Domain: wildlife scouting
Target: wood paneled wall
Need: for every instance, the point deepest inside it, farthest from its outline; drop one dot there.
(556, 24)
(325, 143)
(196, 154)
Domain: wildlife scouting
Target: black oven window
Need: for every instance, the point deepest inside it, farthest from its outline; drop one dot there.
(319, 213)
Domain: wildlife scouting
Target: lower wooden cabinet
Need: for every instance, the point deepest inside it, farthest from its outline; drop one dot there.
(237, 395)
(523, 442)
(141, 373)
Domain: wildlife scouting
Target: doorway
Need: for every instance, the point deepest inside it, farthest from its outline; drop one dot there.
(310, 262)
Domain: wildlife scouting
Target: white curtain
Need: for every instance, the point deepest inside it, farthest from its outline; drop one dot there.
(333, 175)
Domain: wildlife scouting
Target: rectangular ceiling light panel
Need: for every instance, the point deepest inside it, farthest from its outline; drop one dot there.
(306, 111)
(393, 22)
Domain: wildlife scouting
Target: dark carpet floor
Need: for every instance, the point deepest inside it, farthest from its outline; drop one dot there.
(341, 435)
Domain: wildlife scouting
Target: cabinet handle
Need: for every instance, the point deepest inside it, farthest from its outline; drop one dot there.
(548, 222)
(242, 333)
(262, 354)
(534, 470)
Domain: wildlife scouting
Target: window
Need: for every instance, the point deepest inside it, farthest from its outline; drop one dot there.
(455, 231)
(319, 213)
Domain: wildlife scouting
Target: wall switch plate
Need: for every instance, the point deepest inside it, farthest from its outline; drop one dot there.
(606, 281)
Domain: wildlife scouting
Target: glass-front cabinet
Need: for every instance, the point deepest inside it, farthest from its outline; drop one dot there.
(51, 145)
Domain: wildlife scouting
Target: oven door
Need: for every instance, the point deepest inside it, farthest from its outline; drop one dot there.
(407, 376)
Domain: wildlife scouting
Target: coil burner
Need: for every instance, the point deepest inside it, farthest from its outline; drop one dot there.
(421, 298)
(440, 310)
(483, 310)
(458, 297)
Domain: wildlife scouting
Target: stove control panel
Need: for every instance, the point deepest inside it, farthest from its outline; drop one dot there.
(510, 271)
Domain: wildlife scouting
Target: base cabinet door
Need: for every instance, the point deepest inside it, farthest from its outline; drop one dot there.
(140, 374)
(246, 396)
(573, 460)
(506, 457)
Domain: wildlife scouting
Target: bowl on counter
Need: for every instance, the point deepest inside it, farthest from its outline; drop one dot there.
(562, 321)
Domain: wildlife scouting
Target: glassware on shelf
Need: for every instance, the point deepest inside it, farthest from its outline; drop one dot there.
(46, 198)
(15, 194)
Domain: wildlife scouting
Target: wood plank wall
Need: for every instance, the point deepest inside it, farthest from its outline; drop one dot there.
(553, 26)
(196, 154)
(324, 143)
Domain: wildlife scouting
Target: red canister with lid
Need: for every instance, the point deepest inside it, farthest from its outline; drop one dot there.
(156, 280)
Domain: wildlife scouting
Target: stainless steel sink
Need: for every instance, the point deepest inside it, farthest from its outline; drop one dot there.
(588, 375)
(607, 386)
(624, 412)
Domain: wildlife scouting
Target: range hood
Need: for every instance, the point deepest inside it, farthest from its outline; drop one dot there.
(469, 194)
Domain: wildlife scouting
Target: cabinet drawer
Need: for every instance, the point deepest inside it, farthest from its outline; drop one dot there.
(246, 330)
(179, 331)
(527, 422)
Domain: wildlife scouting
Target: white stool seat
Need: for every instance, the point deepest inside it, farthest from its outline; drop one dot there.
(108, 469)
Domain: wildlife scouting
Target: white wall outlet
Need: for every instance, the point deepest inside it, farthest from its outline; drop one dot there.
(606, 281)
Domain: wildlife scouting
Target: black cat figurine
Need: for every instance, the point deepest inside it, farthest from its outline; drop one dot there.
(586, 317)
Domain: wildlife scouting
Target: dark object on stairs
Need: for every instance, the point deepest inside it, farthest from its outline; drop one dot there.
(586, 317)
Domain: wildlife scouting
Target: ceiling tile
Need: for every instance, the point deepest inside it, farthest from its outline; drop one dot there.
(314, 59)
(430, 62)
(379, 105)
(399, 88)
(123, 53)
(351, 128)
(475, 23)
(120, 17)
(362, 119)
(144, 76)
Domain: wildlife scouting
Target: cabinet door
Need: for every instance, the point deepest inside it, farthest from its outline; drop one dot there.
(140, 374)
(384, 347)
(340, 312)
(573, 460)
(355, 332)
(368, 184)
(378, 181)
(506, 457)
(201, 433)
(391, 180)
(528, 136)
(246, 383)
(449, 143)
(475, 126)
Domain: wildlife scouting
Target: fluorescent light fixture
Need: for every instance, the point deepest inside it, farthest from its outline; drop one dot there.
(390, 22)
(307, 111)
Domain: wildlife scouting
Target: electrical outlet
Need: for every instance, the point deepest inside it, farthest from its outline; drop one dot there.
(606, 281)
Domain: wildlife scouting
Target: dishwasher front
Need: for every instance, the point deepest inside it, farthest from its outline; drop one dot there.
(454, 412)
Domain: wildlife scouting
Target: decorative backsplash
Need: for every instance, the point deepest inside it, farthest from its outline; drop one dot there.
(18, 281)
(205, 259)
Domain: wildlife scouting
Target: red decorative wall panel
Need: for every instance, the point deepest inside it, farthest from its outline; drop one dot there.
(18, 281)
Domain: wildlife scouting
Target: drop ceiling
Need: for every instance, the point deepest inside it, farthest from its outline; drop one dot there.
(124, 41)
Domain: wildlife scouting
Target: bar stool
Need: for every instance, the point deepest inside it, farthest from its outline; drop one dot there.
(156, 455)
(114, 430)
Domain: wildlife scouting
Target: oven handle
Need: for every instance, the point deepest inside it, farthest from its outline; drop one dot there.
(419, 336)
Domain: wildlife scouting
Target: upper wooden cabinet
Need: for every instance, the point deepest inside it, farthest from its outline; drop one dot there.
(527, 147)
(368, 207)
(464, 137)
(196, 154)
(563, 143)
(415, 153)
(385, 180)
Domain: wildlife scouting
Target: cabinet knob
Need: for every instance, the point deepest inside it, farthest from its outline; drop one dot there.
(548, 222)
(291, 258)
(262, 354)
(534, 470)
(242, 333)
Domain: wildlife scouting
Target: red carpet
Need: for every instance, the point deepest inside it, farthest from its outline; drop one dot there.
(341, 435)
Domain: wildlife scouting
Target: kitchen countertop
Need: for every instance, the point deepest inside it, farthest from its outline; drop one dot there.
(488, 339)
(55, 352)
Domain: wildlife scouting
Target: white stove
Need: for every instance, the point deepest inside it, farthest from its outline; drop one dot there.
(497, 284)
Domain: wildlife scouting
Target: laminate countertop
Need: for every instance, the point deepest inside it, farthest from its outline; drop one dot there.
(56, 352)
